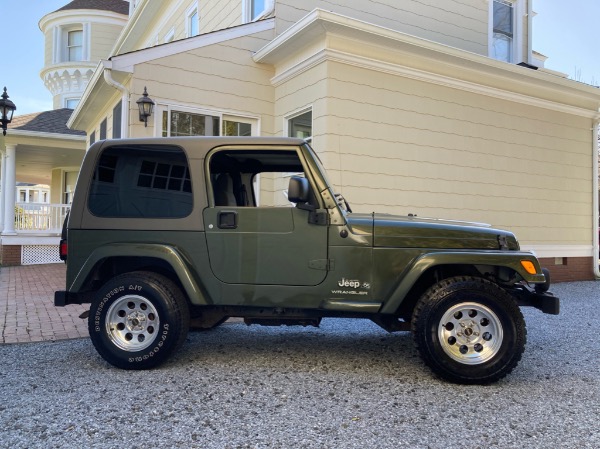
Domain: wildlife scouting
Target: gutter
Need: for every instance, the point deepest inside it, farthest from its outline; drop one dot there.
(107, 69)
(595, 226)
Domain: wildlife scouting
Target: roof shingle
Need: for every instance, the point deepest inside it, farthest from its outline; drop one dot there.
(54, 122)
(118, 6)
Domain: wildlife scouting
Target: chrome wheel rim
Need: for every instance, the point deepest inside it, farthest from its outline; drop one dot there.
(132, 323)
(470, 333)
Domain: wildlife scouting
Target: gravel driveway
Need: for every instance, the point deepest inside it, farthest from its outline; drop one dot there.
(348, 384)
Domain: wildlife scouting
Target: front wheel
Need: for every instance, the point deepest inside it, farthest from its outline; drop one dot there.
(469, 330)
(138, 320)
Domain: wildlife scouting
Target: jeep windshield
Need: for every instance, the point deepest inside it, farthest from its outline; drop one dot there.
(339, 198)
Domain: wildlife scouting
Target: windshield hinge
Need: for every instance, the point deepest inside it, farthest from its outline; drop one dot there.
(319, 217)
(503, 243)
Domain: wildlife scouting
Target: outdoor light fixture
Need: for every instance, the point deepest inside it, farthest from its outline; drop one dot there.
(7, 108)
(146, 105)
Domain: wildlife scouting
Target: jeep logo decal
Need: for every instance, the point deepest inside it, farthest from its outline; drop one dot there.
(349, 283)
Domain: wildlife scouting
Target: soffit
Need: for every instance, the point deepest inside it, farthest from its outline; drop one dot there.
(322, 36)
(37, 154)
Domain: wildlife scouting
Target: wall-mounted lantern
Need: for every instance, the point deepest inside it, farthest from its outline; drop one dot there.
(146, 105)
(7, 109)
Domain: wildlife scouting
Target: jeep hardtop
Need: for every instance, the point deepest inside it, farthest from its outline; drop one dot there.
(165, 234)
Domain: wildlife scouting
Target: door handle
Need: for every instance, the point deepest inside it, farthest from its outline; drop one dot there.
(227, 220)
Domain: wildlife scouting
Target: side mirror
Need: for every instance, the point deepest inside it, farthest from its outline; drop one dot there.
(298, 190)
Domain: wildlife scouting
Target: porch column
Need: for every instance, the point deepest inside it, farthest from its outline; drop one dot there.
(2, 188)
(8, 192)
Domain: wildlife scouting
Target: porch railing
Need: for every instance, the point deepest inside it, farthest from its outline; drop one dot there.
(40, 217)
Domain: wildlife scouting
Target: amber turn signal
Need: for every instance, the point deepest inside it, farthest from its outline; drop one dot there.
(529, 266)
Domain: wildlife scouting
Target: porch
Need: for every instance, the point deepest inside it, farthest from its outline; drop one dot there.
(37, 229)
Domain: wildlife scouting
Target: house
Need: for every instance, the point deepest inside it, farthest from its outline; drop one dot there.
(39, 149)
(437, 109)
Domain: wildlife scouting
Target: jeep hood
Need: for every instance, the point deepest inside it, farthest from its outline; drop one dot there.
(393, 231)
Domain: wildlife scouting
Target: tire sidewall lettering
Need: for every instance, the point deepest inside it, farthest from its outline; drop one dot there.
(445, 295)
(98, 326)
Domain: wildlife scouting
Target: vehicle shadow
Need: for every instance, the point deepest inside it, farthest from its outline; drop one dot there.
(347, 345)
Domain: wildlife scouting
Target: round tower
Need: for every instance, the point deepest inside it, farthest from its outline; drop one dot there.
(76, 37)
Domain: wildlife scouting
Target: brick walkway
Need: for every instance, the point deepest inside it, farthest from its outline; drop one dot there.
(27, 311)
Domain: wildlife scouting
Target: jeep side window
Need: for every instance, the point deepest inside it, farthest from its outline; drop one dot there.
(253, 178)
(149, 181)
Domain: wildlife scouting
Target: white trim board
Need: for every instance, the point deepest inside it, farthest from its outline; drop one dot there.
(126, 62)
(560, 250)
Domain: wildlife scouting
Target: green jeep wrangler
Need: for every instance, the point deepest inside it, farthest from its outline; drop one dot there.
(172, 233)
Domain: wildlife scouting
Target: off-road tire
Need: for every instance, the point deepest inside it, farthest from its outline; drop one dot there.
(138, 320)
(469, 330)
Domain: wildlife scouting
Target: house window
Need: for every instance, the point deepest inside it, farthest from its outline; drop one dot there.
(233, 128)
(75, 45)
(190, 124)
(105, 171)
(70, 181)
(164, 176)
(193, 21)
(71, 43)
(504, 30)
(103, 130)
(93, 138)
(256, 9)
(300, 125)
(193, 122)
(116, 121)
(71, 103)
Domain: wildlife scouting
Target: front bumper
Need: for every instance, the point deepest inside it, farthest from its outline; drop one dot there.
(546, 301)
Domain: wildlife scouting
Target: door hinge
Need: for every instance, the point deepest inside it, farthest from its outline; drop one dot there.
(321, 264)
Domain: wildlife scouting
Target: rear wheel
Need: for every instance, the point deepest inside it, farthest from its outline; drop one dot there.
(469, 330)
(138, 320)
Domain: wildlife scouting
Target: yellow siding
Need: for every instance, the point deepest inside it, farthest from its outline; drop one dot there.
(308, 89)
(402, 146)
(214, 15)
(103, 38)
(48, 46)
(219, 77)
(461, 24)
(176, 21)
(220, 14)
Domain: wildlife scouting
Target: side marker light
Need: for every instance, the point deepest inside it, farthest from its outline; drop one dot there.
(529, 266)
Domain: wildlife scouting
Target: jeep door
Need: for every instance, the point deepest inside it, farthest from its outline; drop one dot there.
(254, 234)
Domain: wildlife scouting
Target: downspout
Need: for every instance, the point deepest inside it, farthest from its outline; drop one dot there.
(530, 32)
(595, 238)
(124, 100)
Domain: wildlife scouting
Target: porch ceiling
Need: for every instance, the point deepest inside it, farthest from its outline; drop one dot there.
(35, 164)
(37, 156)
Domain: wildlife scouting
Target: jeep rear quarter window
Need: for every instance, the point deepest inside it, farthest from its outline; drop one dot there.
(150, 181)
